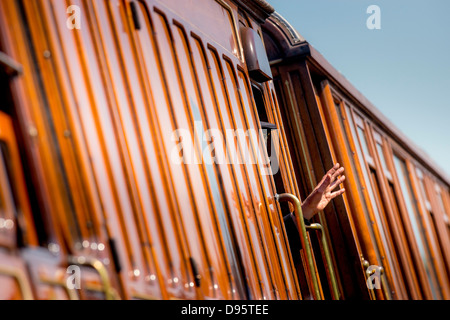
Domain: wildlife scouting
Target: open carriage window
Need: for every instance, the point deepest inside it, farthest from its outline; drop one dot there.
(267, 129)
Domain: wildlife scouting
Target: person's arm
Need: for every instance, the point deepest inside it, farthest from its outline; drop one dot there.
(323, 193)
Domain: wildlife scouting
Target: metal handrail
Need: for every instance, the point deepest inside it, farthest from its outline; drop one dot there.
(24, 286)
(303, 238)
(387, 292)
(324, 240)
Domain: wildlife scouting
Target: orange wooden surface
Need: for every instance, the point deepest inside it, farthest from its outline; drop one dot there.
(94, 149)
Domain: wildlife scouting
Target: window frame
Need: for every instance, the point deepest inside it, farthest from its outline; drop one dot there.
(401, 155)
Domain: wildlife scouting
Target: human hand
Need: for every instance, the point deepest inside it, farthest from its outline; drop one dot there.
(323, 193)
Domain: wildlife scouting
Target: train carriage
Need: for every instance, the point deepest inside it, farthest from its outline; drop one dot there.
(150, 150)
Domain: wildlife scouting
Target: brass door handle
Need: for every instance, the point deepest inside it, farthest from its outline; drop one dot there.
(387, 292)
(24, 286)
(97, 265)
(329, 262)
(304, 239)
(384, 285)
(366, 265)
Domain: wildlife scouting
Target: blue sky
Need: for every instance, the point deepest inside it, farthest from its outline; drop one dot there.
(403, 68)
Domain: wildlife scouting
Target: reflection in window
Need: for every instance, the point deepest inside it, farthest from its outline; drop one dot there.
(441, 203)
(362, 139)
(413, 214)
(406, 187)
(381, 157)
(423, 191)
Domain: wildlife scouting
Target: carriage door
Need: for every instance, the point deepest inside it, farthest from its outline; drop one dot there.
(279, 167)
